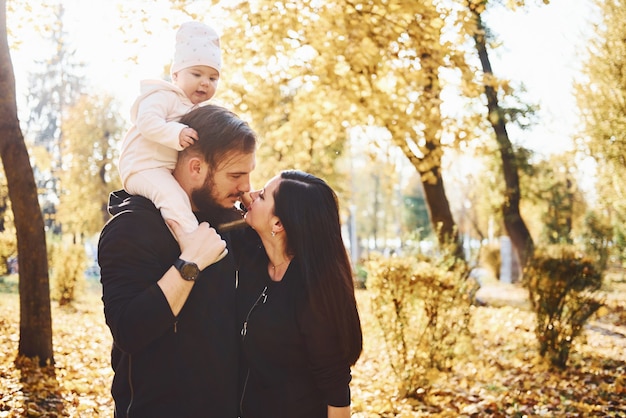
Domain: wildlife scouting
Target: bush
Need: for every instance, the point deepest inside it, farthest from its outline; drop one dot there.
(8, 249)
(596, 238)
(67, 271)
(562, 287)
(491, 259)
(360, 276)
(423, 309)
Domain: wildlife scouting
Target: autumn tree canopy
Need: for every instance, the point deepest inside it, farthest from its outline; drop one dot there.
(601, 97)
(93, 128)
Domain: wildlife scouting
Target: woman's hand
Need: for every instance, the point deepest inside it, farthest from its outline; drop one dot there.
(338, 412)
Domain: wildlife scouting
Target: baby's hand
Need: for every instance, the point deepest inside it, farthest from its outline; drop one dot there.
(187, 137)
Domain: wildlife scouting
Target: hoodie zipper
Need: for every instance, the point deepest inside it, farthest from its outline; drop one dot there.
(262, 298)
(130, 385)
(244, 330)
(243, 393)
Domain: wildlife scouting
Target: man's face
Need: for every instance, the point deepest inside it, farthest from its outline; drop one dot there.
(225, 185)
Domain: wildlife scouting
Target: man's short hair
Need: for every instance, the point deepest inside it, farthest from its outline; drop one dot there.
(220, 132)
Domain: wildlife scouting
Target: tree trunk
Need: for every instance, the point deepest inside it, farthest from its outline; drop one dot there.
(34, 288)
(440, 213)
(429, 166)
(513, 222)
(435, 195)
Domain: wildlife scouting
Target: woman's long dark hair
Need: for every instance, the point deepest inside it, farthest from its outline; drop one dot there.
(309, 211)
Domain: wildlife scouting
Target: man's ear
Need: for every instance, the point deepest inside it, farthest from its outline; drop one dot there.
(194, 165)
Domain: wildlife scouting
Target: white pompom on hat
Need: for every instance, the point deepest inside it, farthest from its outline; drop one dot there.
(196, 44)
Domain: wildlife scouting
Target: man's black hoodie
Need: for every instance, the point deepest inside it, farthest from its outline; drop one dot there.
(165, 365)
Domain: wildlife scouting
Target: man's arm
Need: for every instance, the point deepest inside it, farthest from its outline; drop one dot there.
(204, 247)
(142, 295)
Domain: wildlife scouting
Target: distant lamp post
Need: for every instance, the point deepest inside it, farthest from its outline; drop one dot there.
(354, 246)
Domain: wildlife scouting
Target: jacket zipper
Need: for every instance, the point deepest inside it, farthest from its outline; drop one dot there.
(130, 385)
(243, 393)
(261, 299)
(244, 330)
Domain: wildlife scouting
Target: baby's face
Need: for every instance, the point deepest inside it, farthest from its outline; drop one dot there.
(198, 82)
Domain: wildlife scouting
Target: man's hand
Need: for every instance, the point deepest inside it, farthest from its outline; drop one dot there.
(204, 246)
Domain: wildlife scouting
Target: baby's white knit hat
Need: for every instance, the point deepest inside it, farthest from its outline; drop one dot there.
(196, 44)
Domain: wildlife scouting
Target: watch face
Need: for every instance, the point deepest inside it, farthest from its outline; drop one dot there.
(188, 270)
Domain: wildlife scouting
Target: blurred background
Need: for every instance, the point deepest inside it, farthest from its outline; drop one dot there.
(432, 120)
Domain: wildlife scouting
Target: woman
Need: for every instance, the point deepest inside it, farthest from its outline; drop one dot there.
(301, 331)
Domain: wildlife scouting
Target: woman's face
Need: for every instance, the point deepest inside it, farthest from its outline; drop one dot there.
(260, 215)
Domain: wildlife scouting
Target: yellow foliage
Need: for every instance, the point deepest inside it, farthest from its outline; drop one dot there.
(562, 286)
(499, 378)
(67, 271)
(92, 130)
(423, 310)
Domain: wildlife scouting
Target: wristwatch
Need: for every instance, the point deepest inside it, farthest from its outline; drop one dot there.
(188, 270)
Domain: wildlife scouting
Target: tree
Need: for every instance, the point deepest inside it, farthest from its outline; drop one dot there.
(415, 210)
(92, 129)
(307, 76)
(8, 238)
(53, 90)
(601, 98)
(35, 312)
(552, 189)
(374, 188)
(473, 190)
(514, 223)
(319, 73)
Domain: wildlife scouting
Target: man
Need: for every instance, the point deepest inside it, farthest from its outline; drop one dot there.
(171, 305)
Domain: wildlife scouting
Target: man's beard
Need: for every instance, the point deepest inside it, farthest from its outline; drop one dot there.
(208, 209)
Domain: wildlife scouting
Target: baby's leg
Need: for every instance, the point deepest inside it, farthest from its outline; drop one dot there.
(163, 190)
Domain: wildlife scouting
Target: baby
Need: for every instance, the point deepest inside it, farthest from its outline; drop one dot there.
(150, 148)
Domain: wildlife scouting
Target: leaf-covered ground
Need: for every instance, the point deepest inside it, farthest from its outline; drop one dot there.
(500, 377)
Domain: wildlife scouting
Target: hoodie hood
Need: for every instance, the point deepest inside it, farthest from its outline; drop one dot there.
(121, 201)
(149, 87)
